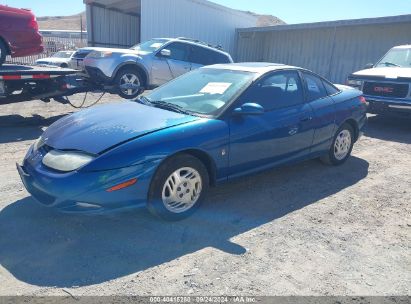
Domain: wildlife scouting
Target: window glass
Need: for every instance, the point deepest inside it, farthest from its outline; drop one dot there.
(220, 58)
(281, 90)
(201, 55)
(396, 58)
(203, 91)
(205, 56)
(179, 51)
(331, 90)
(315, 87)
(149, 46)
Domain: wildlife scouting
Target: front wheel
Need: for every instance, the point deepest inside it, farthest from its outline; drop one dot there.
(129, 83)
(341, 147)
(178, 187)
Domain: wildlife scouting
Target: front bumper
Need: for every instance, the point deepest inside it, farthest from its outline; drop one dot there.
(85, 192)
(97, 76)
(379, 105)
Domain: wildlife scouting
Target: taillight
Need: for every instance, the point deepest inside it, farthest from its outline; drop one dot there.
(363, 100)
(33, 24)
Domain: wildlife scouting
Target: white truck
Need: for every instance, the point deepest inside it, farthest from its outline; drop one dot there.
(387, 84)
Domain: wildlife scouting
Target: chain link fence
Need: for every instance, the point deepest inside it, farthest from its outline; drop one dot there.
(51, 46)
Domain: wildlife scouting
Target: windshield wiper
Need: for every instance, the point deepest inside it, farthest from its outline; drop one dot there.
(169, 106)
(390, 64)
(143, 100)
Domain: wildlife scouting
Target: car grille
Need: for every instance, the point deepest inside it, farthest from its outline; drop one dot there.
(384, 89)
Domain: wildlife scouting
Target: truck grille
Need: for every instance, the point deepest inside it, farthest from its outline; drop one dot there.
(384, 89)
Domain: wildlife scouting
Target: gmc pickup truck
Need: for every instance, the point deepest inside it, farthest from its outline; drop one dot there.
(386, 85)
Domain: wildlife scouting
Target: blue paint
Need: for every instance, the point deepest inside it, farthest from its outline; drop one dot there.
(130, 140)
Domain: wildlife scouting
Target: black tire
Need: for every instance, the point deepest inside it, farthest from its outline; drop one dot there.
(133, 91)
(155, 202)
(64, 65)
(3, 52)
(331, 158)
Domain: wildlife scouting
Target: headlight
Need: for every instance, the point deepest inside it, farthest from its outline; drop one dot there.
(66, 161)
(100, 54)
(354, 83)
(38, 144)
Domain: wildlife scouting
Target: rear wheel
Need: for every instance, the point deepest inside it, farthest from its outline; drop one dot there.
(178, 187)
(341, 147)
(3, 52)
(129, 83)
(64, 65)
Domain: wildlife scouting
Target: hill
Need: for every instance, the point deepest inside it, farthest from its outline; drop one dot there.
(73, 22)
(63, 23)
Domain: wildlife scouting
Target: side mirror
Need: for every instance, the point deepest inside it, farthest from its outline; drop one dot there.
(165, 53)
(369, 66)
(249, 109)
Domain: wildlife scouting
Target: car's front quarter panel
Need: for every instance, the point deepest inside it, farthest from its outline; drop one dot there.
(209, 136)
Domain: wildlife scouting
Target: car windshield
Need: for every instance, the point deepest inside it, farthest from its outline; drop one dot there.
(203, 91)
(149, 46)
(62, 54)
(397, 58)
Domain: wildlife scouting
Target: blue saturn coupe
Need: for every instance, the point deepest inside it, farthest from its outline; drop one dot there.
(164, 150)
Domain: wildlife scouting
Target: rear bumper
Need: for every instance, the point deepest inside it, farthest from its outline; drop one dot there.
(25, 43)
(27, 51)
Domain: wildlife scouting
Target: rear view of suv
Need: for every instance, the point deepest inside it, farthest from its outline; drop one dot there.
(19, 34)
(149, 64)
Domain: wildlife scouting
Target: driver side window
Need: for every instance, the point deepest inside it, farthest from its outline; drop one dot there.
(276, 91)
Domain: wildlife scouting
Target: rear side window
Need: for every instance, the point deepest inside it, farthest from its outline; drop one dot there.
(315, 87)
(179, 51)
(203, 56)
(280, 90)
(331, 90)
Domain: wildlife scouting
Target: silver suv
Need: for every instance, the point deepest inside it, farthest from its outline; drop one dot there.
(149, 64)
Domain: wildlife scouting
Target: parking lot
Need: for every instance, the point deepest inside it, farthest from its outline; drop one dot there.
(307, 229)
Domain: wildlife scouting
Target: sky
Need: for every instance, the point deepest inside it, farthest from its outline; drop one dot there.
(297, 11)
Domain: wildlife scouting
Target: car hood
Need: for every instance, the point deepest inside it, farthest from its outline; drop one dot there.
(101, 127)
(385, 72)
(118, 51)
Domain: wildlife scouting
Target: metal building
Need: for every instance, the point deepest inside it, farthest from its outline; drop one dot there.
(122, 23)
(331, 49)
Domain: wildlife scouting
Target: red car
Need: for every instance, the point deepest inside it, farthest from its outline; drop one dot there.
(19, 35)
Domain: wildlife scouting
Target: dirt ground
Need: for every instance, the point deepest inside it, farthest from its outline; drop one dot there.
(307, 229)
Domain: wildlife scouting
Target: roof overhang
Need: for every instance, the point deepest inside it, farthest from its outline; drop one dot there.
(130, 7)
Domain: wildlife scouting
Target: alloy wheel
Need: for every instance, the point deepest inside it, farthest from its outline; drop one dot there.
(181, 190)
(342, 144)
(129, 84)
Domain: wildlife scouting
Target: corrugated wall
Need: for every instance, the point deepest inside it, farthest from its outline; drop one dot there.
(111, 28)
(333, 52)
(193, 19)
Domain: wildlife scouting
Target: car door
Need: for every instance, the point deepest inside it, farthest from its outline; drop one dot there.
(167, 68)
(323, 107)
(282, 133)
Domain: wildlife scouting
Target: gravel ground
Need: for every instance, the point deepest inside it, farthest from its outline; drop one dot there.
(307, 229)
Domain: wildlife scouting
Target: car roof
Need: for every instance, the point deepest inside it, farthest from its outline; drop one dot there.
(406, 46)
(253, 67)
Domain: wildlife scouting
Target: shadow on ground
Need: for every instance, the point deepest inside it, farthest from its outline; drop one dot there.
(19, 128)
(41, 247)
(389, 128)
